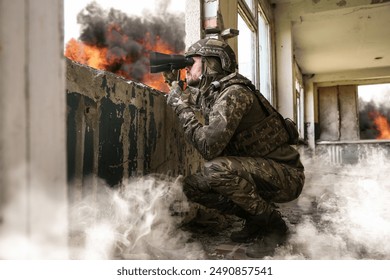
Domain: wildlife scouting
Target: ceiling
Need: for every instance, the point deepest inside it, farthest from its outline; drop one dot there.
(339, 35)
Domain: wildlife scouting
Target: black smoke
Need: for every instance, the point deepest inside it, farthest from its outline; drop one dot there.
(367, 113)
(130, 56)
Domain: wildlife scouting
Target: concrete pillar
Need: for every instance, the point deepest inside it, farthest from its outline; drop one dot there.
(33, 188)
(284, 61)
(309, 115)
(193, 21)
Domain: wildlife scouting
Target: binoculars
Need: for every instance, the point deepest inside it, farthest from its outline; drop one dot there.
(161, 62)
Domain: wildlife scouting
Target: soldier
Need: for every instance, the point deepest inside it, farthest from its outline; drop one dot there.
(249, 161)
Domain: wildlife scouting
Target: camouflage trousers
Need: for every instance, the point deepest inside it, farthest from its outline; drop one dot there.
(242, 185)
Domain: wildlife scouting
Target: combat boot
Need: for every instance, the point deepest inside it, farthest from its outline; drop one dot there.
(276, 224)
(275, 236)
(266, 245)
(254, 227)
(259, 226)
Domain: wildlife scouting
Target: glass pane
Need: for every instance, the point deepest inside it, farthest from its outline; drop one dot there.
(250, 4)
(265, 57)
(246, 62)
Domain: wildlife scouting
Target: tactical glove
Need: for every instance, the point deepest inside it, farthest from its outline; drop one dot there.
(170, 76)
(174, 98)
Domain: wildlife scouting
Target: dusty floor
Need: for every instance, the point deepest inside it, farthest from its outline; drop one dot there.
(342, 213)
(213, 231)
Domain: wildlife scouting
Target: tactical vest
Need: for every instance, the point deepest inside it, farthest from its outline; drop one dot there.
(265, 136)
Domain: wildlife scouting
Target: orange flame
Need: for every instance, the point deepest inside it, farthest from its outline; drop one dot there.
(100, 57)
(86, 54)
(382, 125)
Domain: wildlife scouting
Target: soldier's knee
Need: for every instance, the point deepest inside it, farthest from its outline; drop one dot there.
(193, 184)
(300, 184)
(217, 166)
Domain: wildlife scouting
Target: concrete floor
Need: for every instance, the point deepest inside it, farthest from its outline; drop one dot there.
(213, 231)
(342, 213)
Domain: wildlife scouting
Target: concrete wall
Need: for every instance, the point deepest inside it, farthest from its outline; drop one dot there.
(351, 152)
(329, 114)
(118, 129)
(338, 113)
(33, 190)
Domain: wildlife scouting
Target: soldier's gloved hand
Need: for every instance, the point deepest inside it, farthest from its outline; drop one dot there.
(170, 76)
(174, 98)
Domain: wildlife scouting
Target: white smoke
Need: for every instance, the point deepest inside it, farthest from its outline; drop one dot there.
(346, 212)
(33, 221)
(135, 222)
(140, 220)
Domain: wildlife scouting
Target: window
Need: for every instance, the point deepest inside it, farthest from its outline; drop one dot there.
(254, 46)
(374, 111)
(246, 55)
(249, 4)
(265, 56)
(354, 112)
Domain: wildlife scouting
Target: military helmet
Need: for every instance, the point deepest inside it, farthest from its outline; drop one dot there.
(217, 48)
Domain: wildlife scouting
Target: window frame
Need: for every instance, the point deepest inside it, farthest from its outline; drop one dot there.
(251, 18)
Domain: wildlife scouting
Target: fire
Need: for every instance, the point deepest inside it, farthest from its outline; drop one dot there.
(86, 54)
(382, 125)
(116, 60)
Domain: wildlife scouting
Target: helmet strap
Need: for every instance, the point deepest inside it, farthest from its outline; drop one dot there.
(202, 76)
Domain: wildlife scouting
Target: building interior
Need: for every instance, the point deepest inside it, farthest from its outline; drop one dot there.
(72, 132)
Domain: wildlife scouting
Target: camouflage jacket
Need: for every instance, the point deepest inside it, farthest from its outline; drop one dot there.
(228, 113)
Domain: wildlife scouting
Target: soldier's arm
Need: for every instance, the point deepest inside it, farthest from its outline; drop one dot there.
(210, 140)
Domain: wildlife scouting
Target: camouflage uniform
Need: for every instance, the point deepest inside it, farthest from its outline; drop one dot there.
(245, 171)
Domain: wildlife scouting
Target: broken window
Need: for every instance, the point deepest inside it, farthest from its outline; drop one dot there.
(374, 111)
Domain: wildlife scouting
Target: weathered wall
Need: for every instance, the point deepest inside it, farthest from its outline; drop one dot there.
(118, 129)
(329, 114)
(338, 115)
